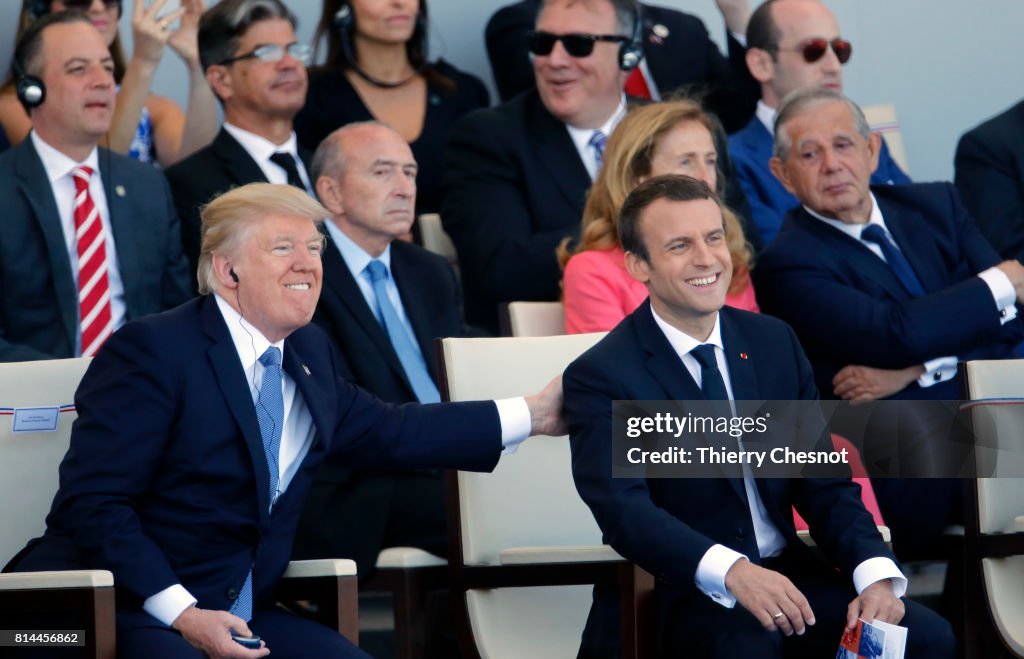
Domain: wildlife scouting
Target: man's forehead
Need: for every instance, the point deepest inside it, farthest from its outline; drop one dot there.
(591, 10)
(268, 30)
(64, 42)
(802, 19)
(827, 120)
(677, 218)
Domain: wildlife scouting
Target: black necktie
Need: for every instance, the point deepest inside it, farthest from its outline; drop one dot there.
(898, 263)
(285, 161)
(711, 380)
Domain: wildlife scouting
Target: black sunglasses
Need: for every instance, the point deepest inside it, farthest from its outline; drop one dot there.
(83, 5)
(273, 53)
(577, 44)
(814, 49)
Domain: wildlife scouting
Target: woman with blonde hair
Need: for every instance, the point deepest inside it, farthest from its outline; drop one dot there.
(674, 137)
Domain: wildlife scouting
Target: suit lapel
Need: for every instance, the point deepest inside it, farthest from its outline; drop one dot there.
(231, 378)
(120, 200)
(35, 185)
(557, 153)
(238, 164)
(341, 284)
(300, 367)
(905, 225)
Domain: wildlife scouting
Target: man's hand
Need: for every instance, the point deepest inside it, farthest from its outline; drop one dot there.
(766, 593)
(1015, 271)
(736, 14)
(210, 632)
(867, 383)
(546, 410)
(876, 602)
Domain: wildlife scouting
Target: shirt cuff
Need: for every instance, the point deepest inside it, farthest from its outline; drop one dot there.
(1003, 292)
(711, 571)
(937, 370)
(514, 415)
(876, 569)
(169, 603)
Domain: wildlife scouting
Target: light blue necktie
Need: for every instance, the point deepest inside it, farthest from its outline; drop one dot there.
(408, 352)
(898, 263)
(270, 415)
(598, 140)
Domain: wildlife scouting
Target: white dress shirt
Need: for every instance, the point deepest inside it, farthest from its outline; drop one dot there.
(58, 171)
(260, 148)
(938, 369)
(716, 562)
(581, 138)
(297, 434)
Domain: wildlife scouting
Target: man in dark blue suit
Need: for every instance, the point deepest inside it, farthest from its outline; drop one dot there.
(200, 429)
(713, 543)
(790, 44)
(886, 286)
(52, 183)
(365, 174)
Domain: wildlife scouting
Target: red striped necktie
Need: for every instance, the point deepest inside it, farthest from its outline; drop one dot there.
(93, 285)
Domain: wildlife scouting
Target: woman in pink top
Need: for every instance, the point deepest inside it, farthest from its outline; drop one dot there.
(673, 137)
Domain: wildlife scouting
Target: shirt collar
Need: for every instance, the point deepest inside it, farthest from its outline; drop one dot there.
(682, 342)
(260, 148)
(355, 257)
(766, 116)
(581, 136)
(249, 342)
(854, 230)
(58, 165)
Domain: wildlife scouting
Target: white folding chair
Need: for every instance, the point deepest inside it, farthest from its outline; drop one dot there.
(532, 319)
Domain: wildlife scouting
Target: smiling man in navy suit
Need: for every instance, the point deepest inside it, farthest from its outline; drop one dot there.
(200, 429)
(713, 543)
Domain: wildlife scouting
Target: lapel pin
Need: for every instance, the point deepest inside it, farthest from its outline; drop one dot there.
(659, 30)
(744, 355)
(119, 191)
(306, 369)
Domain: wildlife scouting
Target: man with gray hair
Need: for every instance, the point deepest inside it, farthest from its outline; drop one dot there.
(257, 69)
(385, 301)
(887, 287)
(199, 431)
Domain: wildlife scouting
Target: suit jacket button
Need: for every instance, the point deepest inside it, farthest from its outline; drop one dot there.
(232, 594)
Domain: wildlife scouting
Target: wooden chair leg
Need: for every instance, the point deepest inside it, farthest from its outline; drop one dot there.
(636, 589)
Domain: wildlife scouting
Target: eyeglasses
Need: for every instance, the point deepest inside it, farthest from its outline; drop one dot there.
(83, 5)
(578, 44)
(272, 53)
(814, 49)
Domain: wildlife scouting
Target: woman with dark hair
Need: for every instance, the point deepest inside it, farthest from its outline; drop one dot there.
(145, 126)
(377, 68)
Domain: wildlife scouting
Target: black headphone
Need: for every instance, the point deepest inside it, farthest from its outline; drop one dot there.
(30, 89)
(233, 275)
(632, 51)
(344, 23)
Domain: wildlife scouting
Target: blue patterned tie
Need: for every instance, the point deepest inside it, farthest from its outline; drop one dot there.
(409, 354)
(270, 415)
(598, 140)
(877, 234)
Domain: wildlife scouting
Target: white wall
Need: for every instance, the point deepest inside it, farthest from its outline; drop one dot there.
(945, 64)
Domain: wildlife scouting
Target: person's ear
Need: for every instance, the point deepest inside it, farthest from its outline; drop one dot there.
(778, 167)
(874, 149)
(224, 272)
(638, 268)
(219, 79)
(760, 64)
(329, 192)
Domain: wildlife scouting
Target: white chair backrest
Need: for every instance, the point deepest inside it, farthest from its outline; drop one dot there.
(529, 499)
(536, 318)
(435, 238)
(998, 428)
(29, 461)
(882, 119)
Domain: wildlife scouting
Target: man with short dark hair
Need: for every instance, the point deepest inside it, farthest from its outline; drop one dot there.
(90, 238)
(199, 431)
(712, 543)
(790, 44)
(257, 69)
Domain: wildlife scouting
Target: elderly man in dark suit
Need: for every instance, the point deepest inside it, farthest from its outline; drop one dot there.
(257, 69)
(517, 175)
(199, 431)
(886, 286)
(678, 55)
(713, 543)
(384, 303)
(90, 238)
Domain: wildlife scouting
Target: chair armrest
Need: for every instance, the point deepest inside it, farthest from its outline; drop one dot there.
(404, 558)
(56, 579)
(326, 567)
(805, 536)
(568, 554)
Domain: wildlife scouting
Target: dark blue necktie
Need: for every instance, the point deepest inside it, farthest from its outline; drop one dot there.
(409, 354)
(712, 383)
(270, 415)
(875, 233)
